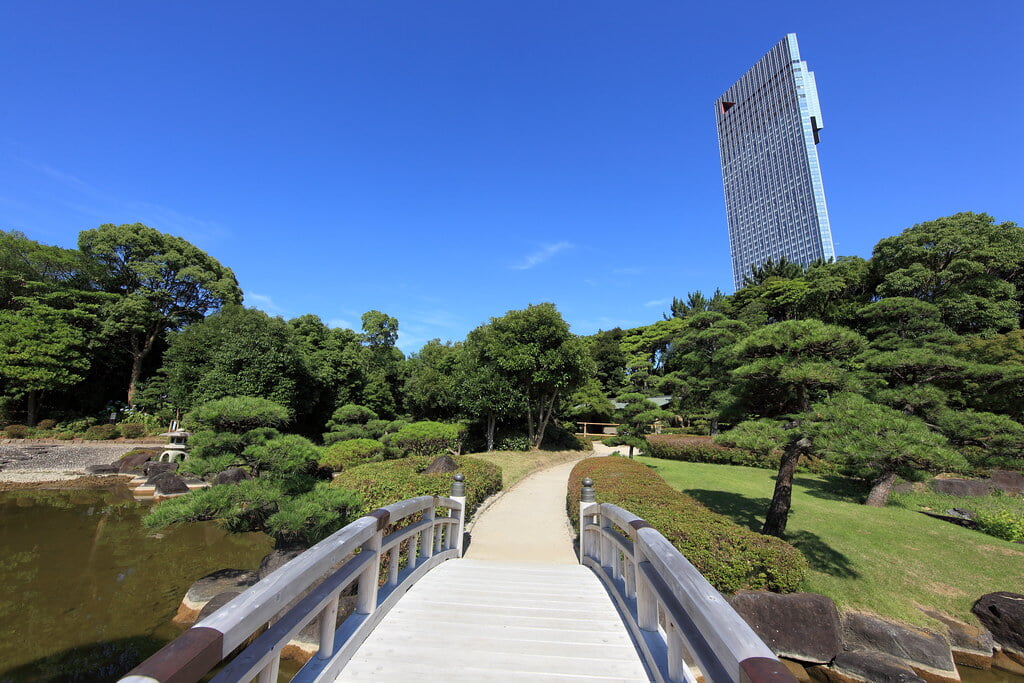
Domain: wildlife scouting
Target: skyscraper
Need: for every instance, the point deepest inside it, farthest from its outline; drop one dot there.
(768, 124)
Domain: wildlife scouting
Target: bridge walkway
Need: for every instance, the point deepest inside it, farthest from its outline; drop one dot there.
(517, 607)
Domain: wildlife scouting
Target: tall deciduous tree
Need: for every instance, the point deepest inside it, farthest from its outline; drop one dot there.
(163, 283)
(535, 352)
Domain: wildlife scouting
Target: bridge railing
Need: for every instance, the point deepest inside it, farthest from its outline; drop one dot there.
(316, 579)
(677, 618)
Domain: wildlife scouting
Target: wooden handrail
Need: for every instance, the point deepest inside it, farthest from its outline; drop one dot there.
(351, 555)
(677, 618)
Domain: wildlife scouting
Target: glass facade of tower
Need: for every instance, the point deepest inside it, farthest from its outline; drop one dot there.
(768, 124)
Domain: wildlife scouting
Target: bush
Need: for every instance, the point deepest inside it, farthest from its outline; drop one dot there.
(132, 430)
(313, 516)
(730, 557)
(65, 436)
(100, 433)
(77, 426)
(345, 454)
(1001, 524)
(429, 438)
(699, 449)
(16, 431)
(513, 443)
(383, 483)
(239, 414)
(46, 425)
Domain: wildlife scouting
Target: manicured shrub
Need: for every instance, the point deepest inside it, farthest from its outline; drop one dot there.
(514, 443)
(383, 483)
(730, 557)
(429, 438)
(690, 448)
(132, 430)
(100, 433)
(16, 431)
(346, 454)
(65, 436)
(46, 425)
(239, 414)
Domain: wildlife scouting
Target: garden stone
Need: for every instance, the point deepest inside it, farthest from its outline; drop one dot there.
(152, 468)
(167, 484)
(1008, 482)
(231, 475)
(866, 667)
(205, 589)
(924, 650)
(1002, 613)
(277, 559)
(961, 487)
(443, 463)
(971, 645)
(800, 626)
(216, 603)
(132, 462)
(102, 469)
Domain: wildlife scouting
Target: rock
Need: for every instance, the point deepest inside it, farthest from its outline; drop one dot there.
(1006, 662)
(903, 487)
(442, 463)
(132, 462)
(925, 651)
(1002, 613)
(798, 670)
(102, 469)
(205, 589)
(218, 601)
(961, 487)
(275, 560)
(1008, 482)
(972, 646)
(152, 467)
(231, 475)
(800, 626)
(166, 484)
(865, 667)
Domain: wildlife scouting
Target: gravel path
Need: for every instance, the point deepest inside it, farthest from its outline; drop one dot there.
(34, 461)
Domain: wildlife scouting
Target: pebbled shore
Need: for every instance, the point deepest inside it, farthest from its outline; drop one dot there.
(31, 464)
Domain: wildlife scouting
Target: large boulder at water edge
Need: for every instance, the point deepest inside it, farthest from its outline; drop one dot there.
(167, 484)
(205, 589)
(153, 467)
(925, 651)
(131, 462)
(865, 667)
(1002, 613)
(972, 646)
(800, 626)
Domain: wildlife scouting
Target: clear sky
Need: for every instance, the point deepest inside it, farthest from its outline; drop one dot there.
(447, 161)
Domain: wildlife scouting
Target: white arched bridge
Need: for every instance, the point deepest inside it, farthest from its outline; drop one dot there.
(631, 608)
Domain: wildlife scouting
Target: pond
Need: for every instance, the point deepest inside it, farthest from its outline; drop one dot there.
(86, 592)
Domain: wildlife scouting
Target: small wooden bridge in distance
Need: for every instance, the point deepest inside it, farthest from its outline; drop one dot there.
(517, 605)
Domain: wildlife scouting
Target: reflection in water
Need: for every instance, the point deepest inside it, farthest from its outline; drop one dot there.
(86, 591)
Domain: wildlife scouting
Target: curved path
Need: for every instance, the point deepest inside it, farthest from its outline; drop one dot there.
(517, 607)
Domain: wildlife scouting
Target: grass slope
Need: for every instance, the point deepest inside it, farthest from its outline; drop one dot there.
(885, 560)
(517, 464)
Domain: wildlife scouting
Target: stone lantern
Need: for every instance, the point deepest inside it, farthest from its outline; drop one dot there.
(175, 450)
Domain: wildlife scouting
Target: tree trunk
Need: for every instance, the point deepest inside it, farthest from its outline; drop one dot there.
(491, 419)
(713, 426)
(544, 417)
(33, 407)
(138, 356)
(530, 431)
(778, 511)
(630, 451)
(880, 490)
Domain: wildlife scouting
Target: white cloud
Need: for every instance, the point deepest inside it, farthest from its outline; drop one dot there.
(541, 255)
(656, 302)
(263, 302)
(340, 323)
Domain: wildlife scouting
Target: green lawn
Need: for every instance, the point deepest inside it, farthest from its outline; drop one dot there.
(887, 560)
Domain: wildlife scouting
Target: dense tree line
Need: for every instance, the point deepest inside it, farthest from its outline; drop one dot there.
(923, 339)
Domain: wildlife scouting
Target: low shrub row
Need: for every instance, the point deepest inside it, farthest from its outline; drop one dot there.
(691, 448)
(49, 429)
(730, 557)
(383, 483)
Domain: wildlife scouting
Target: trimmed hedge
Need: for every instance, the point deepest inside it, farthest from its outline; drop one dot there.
(383, 483)
(345, 455)
(101, 433)
(691, 448)
(132, 430)
(16, 431)
(730, 557)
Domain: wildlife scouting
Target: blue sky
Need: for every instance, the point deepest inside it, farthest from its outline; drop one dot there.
(447, 161)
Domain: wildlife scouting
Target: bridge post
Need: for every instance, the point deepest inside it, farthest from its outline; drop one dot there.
(459, 494)
(587, 498)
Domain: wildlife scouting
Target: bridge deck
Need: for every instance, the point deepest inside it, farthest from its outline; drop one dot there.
(472, 620)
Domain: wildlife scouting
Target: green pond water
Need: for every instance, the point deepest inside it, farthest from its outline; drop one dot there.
(86, 592)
